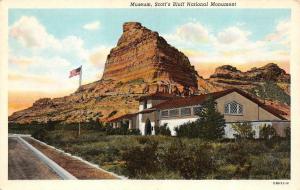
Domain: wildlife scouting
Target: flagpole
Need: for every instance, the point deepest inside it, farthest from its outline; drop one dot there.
(80, 78)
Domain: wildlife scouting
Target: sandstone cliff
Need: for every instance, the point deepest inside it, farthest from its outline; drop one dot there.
(269, 72)
(142, 53)
(269, 83)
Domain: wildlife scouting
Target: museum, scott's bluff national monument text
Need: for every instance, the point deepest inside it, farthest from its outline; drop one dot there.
(183, 4)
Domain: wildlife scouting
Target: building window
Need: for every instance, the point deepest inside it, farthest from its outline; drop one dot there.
(174, 113)
(185, 111)
(196, 109)
(165, 113)
(145, 104)
(233, 108)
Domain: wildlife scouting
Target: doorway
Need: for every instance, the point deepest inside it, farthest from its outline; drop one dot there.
(148, 127)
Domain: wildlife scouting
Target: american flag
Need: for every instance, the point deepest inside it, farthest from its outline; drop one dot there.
(75, 72)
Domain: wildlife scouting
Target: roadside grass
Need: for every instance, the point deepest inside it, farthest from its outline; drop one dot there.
(165, 157)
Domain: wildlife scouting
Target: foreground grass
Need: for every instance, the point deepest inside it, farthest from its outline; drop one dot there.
(160, 157)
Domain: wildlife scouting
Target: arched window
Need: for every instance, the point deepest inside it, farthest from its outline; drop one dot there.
(233, 108)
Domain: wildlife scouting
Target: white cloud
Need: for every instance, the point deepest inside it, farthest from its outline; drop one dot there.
(282, 34)
(33, 35)
(30, 33)
(92, 25)
(234, 40)
(232, 35)
(37, 61)
(191, 32)
(98, 56)
(231, 45)
(42, 54)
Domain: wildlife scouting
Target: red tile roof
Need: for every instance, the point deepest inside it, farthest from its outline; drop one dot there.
(126, 116)
(177, 102)
(158, 96)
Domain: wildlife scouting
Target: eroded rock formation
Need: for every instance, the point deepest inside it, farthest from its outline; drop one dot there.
(142, 53)
(269, 72)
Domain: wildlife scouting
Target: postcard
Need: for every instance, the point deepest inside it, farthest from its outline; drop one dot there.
(149, 94)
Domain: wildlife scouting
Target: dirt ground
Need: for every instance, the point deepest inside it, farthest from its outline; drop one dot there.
(23, 164)
(74, 166)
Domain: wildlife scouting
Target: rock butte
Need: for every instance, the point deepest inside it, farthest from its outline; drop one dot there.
(142, 53)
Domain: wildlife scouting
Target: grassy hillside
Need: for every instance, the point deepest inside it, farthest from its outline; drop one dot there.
(271, 91)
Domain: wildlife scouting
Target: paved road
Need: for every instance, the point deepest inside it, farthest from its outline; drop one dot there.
(24, 164)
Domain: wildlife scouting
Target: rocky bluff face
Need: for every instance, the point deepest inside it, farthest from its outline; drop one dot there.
(143, 54)
(269, 72)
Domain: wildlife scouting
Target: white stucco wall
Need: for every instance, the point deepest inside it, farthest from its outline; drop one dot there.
(229, 132)
(143, 124)
(173, 123)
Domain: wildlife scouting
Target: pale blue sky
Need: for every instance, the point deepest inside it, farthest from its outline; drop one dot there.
(64, 22)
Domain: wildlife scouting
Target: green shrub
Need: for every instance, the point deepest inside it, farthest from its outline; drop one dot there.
(287, 132)
(269, 166)
(123, 130)
(244, 130)
(267, 132)
(140, 161)
(235, 153)
(189, 129)
(40, 134)
(227, 171)
(163, 130)
(192, 162)
(143, 139)
(282, 146)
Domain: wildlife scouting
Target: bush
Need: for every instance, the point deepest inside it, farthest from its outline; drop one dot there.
(40, 134)
(237, 155)
(267, 132)
(123, 130)
(189, 129)
(288, 133)
(270, 167)
(192, 162)
(244, 130)
(163, 130)
(140, 161)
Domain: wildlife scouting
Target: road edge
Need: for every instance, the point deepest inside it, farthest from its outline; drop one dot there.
(55, 167)
(80, 159)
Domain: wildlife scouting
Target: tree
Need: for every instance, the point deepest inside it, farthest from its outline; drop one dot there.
(163, 130)
(267, 132)
(210, 121)
(244, 130)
